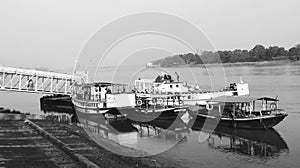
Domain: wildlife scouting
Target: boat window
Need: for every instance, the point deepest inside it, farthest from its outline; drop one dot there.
(171, 86)
(189, 96)
(177, 85)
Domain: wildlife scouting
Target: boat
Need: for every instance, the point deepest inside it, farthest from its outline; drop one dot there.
(102, 99)
(193, 95)
(107, 100)
(163, 107)
(243, 112)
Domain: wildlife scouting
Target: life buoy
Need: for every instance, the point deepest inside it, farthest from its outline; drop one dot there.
(139, 102)
(160, 102)
(180, 102)
(273, 106)
(209, 106)
(149, 90)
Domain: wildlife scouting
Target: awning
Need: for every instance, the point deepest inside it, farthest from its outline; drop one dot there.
(268, 99)
(103, 84)
(233, 99)
(239, 99)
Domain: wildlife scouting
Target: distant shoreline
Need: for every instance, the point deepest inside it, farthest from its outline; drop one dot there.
(238, 64)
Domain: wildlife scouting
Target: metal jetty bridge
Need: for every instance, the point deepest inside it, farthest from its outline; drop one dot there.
(35, 81)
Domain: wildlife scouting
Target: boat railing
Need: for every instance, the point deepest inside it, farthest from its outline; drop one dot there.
(87, 97)
(159, 102)
(278, 111)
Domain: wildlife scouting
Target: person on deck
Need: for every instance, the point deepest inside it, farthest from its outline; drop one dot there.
(177, 76)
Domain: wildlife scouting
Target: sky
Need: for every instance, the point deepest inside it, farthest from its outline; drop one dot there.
(51, 34)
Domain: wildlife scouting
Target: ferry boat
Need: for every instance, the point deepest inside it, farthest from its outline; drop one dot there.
(193, 95)
(105, 100)
(243, 112)
(101, 99)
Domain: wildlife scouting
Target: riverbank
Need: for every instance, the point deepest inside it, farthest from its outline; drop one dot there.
(238, 64)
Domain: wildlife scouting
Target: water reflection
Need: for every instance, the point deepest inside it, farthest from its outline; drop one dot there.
(254, 143)
(147, 138)
(166, 130)
(141, 139)
(120, 131)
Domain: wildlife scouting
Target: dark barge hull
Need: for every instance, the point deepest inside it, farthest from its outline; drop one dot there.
(264, 122)
(57, 103)
(168, 114)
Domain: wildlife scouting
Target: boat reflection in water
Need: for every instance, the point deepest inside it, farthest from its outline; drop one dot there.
(253, 143)
(131, 138)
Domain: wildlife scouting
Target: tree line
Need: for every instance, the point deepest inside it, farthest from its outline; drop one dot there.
(257, 54)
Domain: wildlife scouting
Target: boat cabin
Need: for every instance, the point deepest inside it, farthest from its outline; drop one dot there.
(98, 91)
(164, 84)
(161, 84)
(104, 94)
(240, 107)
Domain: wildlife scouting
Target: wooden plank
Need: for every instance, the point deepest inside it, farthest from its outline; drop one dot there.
(25, 146)
(22, 138)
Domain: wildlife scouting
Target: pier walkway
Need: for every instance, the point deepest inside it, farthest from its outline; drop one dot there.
(35, 81)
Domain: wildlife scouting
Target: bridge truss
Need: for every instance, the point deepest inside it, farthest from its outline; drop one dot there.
(35, 81)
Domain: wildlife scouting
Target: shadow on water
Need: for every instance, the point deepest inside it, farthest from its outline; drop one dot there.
(134, 134)
(146, 138)
(254, 143)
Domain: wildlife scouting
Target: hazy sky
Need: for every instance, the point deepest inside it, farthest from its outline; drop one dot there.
(51, 34)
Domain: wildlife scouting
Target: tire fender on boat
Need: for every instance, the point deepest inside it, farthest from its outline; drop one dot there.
(160, 102)
(180, 102)
(149, 90)
(139, 102)
(209, 106)
(273, 106)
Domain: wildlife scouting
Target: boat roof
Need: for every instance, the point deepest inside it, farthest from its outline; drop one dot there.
(103, 84)
(153, 81)
(173, 82)
(239, 99)
(268, 99)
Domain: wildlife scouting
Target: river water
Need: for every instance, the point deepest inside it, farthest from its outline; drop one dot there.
(183, 144)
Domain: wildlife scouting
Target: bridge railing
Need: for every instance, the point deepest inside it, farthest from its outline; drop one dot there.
(27, 80)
